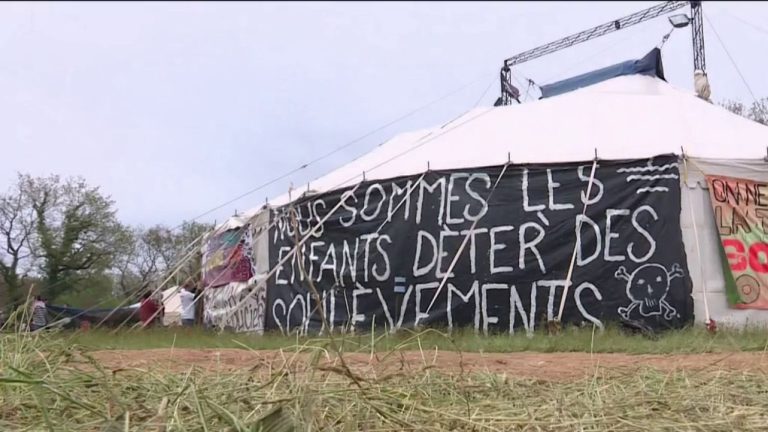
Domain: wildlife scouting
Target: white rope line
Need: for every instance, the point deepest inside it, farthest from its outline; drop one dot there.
(157, 290)
(274, 222)
(231, 265)
(265, 231)
(464, 243)
(696, 237)
(386, 221)
(424, 141)
(290, 254)
(342, 147)
(178, 287)
(389, 219)
(177, 267)
(129, 293)
(419, 142)
(575, 244)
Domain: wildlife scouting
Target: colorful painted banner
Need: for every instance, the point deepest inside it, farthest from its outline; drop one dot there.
(741, 215)
(227, 258)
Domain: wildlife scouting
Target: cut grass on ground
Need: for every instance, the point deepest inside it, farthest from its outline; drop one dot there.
(612, 340)
(64, 390)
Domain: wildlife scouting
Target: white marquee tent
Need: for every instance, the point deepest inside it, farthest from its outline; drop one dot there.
(622, 118)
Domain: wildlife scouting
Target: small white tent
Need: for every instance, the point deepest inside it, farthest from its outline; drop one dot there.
(628, 117)
(172, 306)
(172, 303)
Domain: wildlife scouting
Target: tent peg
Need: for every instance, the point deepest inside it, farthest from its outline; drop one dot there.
(363, 175)
(509, 157)
(428, 166)
(596, 158)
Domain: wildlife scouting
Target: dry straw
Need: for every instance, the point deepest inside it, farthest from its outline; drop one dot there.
(47, 383)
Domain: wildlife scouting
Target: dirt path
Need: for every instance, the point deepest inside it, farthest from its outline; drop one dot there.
(555, 366)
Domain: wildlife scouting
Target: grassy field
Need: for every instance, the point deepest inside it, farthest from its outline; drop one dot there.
(43, 387)
(692, 340)
(50, 382)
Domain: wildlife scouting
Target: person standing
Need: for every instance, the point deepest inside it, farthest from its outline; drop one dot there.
(187, 307)
(149, 310)
(39, 314)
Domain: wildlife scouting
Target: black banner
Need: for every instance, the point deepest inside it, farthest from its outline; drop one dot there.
(382, 257)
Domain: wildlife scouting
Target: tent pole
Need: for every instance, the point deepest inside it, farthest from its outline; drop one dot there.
(575, 245)
(464, 243)
(711, 325)
(232, 264)
(412, 188)
(287, 256)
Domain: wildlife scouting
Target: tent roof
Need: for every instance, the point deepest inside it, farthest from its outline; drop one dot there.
(626, 117)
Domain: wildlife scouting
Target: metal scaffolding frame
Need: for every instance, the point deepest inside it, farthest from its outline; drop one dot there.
(510, 93)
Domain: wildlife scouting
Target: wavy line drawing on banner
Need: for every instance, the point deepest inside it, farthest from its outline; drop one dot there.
(652, 189)
(647, 287)
(649, 182)
(651, 177)
(648, 167)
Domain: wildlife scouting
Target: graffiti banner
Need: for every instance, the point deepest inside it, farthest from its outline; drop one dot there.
(227, 257)
(237, 307)
(487, 248)
(741, 215)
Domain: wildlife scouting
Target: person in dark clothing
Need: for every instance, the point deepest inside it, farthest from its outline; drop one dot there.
(39, 314)
(149, 310)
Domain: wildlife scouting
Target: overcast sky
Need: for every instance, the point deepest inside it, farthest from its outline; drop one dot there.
(174, 108)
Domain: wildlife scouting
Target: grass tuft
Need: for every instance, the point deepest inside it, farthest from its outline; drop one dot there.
(612, 340)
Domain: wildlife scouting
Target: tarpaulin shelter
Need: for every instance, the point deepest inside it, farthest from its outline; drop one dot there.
(105, 316)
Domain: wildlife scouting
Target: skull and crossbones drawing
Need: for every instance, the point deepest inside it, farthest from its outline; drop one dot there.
(647, 287)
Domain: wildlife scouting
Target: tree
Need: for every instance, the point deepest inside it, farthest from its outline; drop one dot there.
(758, 111)
(16, 229)
(145, 260)
(189, 232)
(154, 254)
(77, 233)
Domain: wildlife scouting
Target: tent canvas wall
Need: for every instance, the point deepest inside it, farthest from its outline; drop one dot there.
(628, 118)
(172, 304)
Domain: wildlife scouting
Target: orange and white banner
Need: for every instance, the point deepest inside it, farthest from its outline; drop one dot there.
(741, 216)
